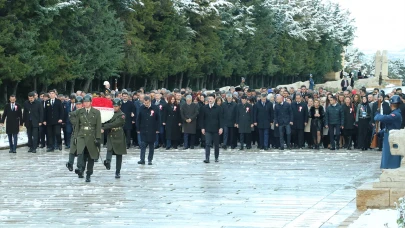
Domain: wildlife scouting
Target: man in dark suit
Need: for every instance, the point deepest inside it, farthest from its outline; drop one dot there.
(229, 115)
(33, 118)
(211, 122)
(128, 108)
(13, 116)
(42, 129)
(161, 105)
(300, 115)
(344, 84)
(69, 107)
(147, 123)
(263, 117)
(53, 118)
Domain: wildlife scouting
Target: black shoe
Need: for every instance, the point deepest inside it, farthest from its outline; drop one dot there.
(10, 151)
(232, 148)
(224, 147)
(206, 161)
(117, 175)
(141, 162)
(241, 148)
(127, 147)
(192, 148)
(88, 178)
(349, 148)
(67, 147)
(266, 148)
(42, 146)
(248, 148)
(281, 148)
(79, 173)
(60, 147)
(34, 151)
(156, 147)
(30, 150)
(149, 163)
(332, 148)
(50, 150)
(216, 160)
(69, 166)
(107, 164)
(14, 151)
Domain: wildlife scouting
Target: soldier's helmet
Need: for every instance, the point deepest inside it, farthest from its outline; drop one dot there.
(395, 99)
(79, 100)
(87, 98)
(117, 102)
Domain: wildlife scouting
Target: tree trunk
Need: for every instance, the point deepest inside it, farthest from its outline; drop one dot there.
(212, 81)
(15, 88)
(87, 85)
(35, 84)
(129, 81)
(188, 82)
(197, 84)
(145, 83)
(72, 86)
(123, 81)
(181, 80)
(5, 95)
(99, 84)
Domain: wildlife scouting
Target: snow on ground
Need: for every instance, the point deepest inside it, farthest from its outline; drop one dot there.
(22, 139)
(376, 218)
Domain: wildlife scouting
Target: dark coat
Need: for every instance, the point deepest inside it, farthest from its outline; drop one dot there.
(68, 109)
(283, 114)
(321, 113)
(350, 117)
(244, 118)
(73, 119)
(172, 118)
(13, 118)
(54, 112)
(116, 138)
(33, 111)
(300, 115)
(128, 108)
(263, 115)
(189, 112)
(211, 118)
(147, 123)
(229, 112)
(342, 84)
(161, 106)
(334, 115)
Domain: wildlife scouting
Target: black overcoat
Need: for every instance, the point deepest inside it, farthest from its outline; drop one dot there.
(13, 118)
(300, 115)
(172, 118)
(263, 115)
(244, 118)
(189, 112)
(147, 123)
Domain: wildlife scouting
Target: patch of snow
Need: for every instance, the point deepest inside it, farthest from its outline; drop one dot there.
(376, 218)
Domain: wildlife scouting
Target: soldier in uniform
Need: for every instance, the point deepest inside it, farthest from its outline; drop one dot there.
(115, 139)
(73, 121)
(88, 134)
(391, 121)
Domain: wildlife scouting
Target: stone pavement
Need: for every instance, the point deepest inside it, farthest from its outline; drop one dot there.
(245, 189)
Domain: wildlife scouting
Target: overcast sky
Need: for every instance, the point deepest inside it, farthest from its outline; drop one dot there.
(380, 24)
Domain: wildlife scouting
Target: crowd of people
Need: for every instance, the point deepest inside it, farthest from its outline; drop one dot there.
(238, 118)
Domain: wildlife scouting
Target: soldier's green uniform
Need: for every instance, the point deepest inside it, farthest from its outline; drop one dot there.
(88, 135)
(115, 139)
(73, 150)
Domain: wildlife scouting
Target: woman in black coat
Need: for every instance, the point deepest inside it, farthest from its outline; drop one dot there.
(349, 113)
(171, 119)
(317, 113)
(363, 120)
(244, 121)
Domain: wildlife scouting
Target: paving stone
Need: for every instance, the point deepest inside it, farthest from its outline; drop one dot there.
(245, 189)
